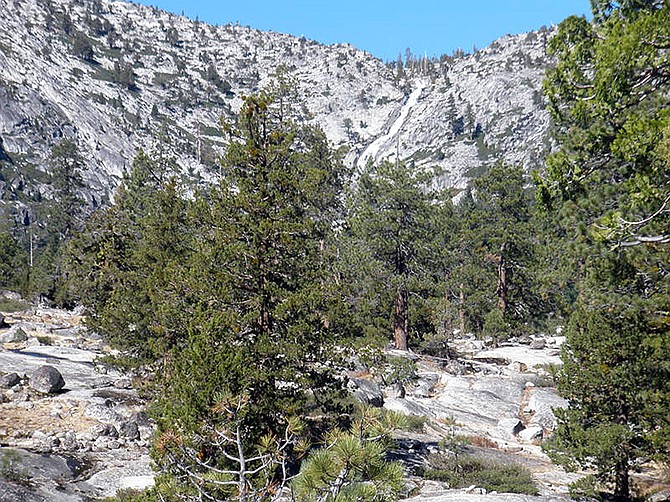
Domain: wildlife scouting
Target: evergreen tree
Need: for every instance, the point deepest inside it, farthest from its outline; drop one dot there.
(262, 293)
(13, 261)
(395, 222)
(609, 181)
(492, 281)
(67, 165)
(126, 265)
(123, 73)
(82, 47)
(351, 466)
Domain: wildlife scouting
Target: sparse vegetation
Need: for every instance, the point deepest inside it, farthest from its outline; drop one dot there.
(466, 470)
(415, 423)
(8, 305)
(10, 467)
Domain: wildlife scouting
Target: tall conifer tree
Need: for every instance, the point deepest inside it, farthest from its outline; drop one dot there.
(610, 180)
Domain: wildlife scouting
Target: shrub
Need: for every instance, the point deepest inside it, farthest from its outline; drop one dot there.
(10, 469)
(414, 423)
(585, 487)
(8, 305)
(467, 470)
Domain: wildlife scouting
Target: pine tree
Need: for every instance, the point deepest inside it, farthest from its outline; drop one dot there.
(126, 265)
(13, 260)
(494, 252)
(351, 466)
(395, 222)
(261, 288)
(67, 165)
(609, 181)
(82, 47)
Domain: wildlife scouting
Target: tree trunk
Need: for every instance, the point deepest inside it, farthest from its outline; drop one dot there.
(461, 309)
(400, 319)
(622, 481)
(501, 289)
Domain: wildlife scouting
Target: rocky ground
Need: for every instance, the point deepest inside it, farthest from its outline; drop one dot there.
(85, 436)
(496, 402)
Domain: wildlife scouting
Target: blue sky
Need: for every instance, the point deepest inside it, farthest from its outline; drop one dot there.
(386, 27)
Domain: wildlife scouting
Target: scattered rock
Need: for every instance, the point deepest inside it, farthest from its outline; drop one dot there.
(123, 383)
(9, 380)
(135, 473)
(104, 430)
(129, 430)
(509, 427)
(102, 412)
(538, 344)
(44, 443)
(518, 367)
(426, 385)
(47, 380)
(367, 392)
(532, 433)
(541, 405)
(455, 367)
(3, 324)
(101, 444)
(13, 335)
(663, 496)
(70, 442)
(140, 418)
(525, 340)
(396, 391)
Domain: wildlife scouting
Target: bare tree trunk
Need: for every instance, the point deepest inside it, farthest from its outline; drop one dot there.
(461, 309)
(622, 481)
(501, 289)
(400, 319)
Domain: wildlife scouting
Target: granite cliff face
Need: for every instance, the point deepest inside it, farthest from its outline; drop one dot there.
(116, 77)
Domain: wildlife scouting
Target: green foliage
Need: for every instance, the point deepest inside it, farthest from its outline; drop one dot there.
(124, 75)
(12, 262)
(493, 282)
(30, 253)
(602, 9)
(393, 249)
(229, 293)
(415, 423)
(127, 265)
(399, 370)
(585, 487)
(7, 305)
(608, 182)
(618, 407)
(67, 165)
(10, 466)
(466, 470)
(82, 47)
(613, 124)
(219, 458)
(350, 466)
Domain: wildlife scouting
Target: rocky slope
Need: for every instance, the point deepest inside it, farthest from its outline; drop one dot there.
(116, 77)
(90, 438)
